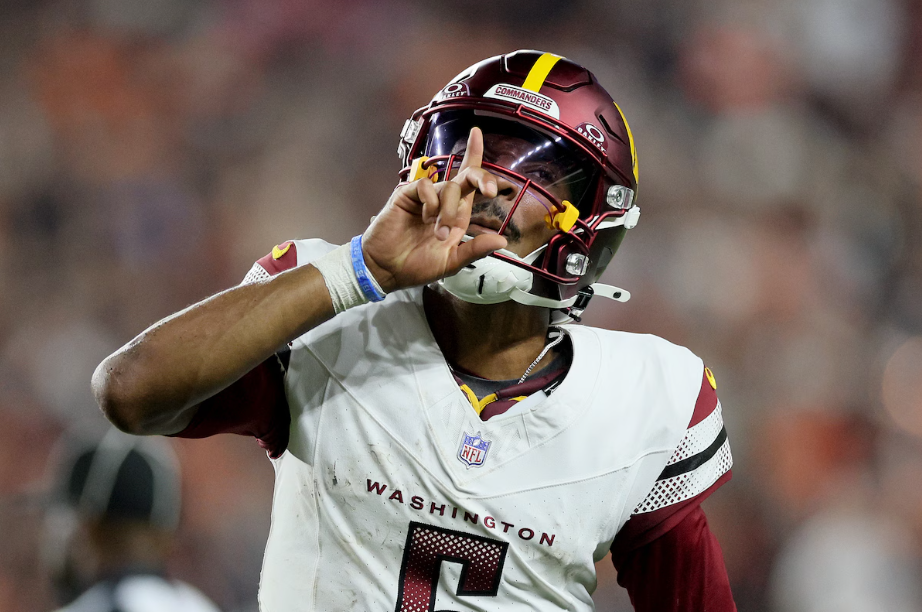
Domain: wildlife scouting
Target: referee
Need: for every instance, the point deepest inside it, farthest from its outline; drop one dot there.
(111, 525)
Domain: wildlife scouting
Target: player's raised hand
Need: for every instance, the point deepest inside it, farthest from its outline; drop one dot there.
(416, 238)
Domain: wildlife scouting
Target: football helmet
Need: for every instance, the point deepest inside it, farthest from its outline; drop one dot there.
(562, 140)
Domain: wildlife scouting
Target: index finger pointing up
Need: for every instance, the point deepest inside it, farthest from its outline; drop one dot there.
(471, 176)
(473, 155)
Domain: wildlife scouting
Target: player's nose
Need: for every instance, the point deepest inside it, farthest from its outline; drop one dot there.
(506, 191)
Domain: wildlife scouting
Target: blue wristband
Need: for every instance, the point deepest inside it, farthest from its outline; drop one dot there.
(361, 272)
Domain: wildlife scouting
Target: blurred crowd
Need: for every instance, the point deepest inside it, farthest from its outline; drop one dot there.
(151, 150)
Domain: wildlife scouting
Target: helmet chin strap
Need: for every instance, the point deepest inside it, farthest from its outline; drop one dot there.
(607, 291)
(575, 311)
(492, 281)
(613, 293)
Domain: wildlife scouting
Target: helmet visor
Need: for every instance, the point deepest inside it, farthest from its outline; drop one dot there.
(549, 160)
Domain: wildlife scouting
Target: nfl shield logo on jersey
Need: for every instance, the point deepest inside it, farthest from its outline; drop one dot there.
(473, 450)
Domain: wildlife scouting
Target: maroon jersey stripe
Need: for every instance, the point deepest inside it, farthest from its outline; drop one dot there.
(707, 402)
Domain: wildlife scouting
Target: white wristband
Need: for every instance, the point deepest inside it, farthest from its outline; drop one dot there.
(339, 275)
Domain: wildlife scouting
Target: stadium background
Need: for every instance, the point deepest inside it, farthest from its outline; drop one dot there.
(151, 150)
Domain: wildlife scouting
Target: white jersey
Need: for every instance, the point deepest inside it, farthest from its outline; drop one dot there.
(393, 494)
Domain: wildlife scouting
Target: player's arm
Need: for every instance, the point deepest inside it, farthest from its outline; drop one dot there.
(680, 569)
(155, 383)
(254, 406)
(666, 555)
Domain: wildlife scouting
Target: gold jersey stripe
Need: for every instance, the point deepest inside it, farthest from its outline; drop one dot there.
(472, 398)
(538, 73)
(480, 404)
(630, 138)
(711, 380)
(280, 250)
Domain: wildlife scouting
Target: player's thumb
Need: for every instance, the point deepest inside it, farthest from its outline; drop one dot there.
(477, 248)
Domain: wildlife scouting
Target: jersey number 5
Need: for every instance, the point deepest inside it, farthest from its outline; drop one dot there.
(427, 546)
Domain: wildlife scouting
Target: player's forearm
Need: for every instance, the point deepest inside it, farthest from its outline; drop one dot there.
(153, 383)
(680, 571)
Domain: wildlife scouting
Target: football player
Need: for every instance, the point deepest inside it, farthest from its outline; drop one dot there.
(443, 435)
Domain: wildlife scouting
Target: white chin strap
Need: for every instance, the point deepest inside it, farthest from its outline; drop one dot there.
(491, 281)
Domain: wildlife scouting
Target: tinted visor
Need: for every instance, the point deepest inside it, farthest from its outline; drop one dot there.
(546, 159)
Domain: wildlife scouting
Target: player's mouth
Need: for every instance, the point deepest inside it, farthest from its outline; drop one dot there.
(487, 218)
(484, 225)
(491, 226)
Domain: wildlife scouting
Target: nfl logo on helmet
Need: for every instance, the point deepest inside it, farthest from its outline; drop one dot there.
(473, 450)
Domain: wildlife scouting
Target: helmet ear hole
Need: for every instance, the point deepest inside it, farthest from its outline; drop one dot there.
(604, 251)
(605, 258)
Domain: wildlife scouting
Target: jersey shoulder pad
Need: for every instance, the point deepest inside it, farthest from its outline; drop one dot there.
(669, 375)
(651, 348)
(701, 457)
(287, 255)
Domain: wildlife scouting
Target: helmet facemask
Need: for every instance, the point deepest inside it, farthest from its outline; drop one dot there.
(541, 169)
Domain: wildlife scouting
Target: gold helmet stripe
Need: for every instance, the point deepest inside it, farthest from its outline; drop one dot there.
(630, 138)
(538, 73)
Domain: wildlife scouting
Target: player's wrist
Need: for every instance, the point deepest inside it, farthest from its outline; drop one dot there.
(369, 285)
(385, 280)
(347, 277)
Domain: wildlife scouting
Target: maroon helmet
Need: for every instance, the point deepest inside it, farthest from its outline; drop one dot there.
(576, 154)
